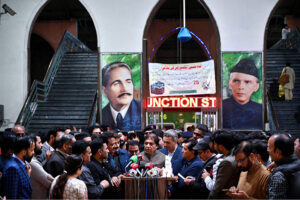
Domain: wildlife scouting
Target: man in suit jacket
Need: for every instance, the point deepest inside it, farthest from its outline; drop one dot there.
(102, 170)
(48, 146)
(16, 174)
(191, 168)
(172, 150)
(40, 179)
(56, 164)
(117, 157)
(122, 112)
(199, 189)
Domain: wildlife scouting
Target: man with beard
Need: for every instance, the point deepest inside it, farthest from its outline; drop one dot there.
(117, 157)
(199, 190)
(40, 179)
(95, 190)
(16, 173)
(253, 182)
(122, 112)
(102, 170)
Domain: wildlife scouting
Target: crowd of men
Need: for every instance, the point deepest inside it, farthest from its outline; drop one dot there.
(203, 164)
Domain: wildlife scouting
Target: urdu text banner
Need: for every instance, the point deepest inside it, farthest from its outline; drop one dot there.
(182, 79)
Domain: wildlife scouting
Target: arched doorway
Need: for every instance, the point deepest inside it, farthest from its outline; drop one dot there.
(162, 47)
(52, 21)
(283, 114)
(41, 53)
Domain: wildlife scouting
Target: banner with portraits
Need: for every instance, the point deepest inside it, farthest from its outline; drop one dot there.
(182, 79)
(242, 90)
(121, 90)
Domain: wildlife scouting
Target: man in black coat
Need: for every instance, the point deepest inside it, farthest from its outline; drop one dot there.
(56, 164)
(102, 170)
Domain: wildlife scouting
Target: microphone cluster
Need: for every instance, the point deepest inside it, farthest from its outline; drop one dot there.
(142, 170)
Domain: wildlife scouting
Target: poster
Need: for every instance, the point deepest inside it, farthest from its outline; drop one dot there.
(242, 91)
(182, 79)
(121, 91)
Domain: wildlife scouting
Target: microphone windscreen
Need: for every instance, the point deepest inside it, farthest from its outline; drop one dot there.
(134, 158)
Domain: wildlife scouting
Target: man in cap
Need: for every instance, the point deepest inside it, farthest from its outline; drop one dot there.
(187, 135)
(239, 111)
(122, 111)
(199, 190)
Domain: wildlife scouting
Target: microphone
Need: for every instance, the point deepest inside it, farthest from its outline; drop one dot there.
(133, 173)
(135, 166)
(140, 158)
(148, 167)
(154, 172)
(133, 159)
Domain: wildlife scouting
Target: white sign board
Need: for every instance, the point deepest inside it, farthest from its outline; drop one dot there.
(182, 79)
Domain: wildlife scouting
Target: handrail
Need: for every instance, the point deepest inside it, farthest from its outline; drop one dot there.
(39, 90)
(93, 112)
(292, 41)
(272, 110)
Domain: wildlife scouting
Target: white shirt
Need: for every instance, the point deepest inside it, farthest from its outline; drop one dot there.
(284, 33)
(170, 155)
(211, 182)
(115, 113)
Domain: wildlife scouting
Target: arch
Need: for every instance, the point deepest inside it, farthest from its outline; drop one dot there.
(172, 32)
(31, 22)
(40, 58)
(216, 56)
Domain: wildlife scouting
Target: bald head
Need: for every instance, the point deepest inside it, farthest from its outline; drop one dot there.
(19, 130)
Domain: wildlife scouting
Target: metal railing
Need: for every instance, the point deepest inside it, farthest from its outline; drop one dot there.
(292, 41)
(39, 90)
(93, 112)
(274, 125)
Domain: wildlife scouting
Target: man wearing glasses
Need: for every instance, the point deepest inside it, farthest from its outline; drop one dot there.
(254, 178)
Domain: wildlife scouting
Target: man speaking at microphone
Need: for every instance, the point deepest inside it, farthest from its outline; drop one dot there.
(151, 155)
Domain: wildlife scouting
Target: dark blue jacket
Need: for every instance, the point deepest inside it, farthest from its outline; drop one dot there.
(124, 157)
(132, 120)
(16, 182)
(177, 160)
(190, 168)
(237, 116)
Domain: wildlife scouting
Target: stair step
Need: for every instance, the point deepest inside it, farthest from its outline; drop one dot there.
(61, 112)
(53, 125)
(65, 104)
(71, 108)
(61, 117)
(63, 90)
(59, 121)
(69, 98)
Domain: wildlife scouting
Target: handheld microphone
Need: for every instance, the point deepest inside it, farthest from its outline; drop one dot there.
(135, 166)
(133, 159)
(148, 167)
(133, 173)
(140, 158)
(154, 172)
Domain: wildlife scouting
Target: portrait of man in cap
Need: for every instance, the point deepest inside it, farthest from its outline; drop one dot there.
(239, 111)
(122, 111)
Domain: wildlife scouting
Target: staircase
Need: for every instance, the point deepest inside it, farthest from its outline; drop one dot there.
(71, 96)
(287, 113)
